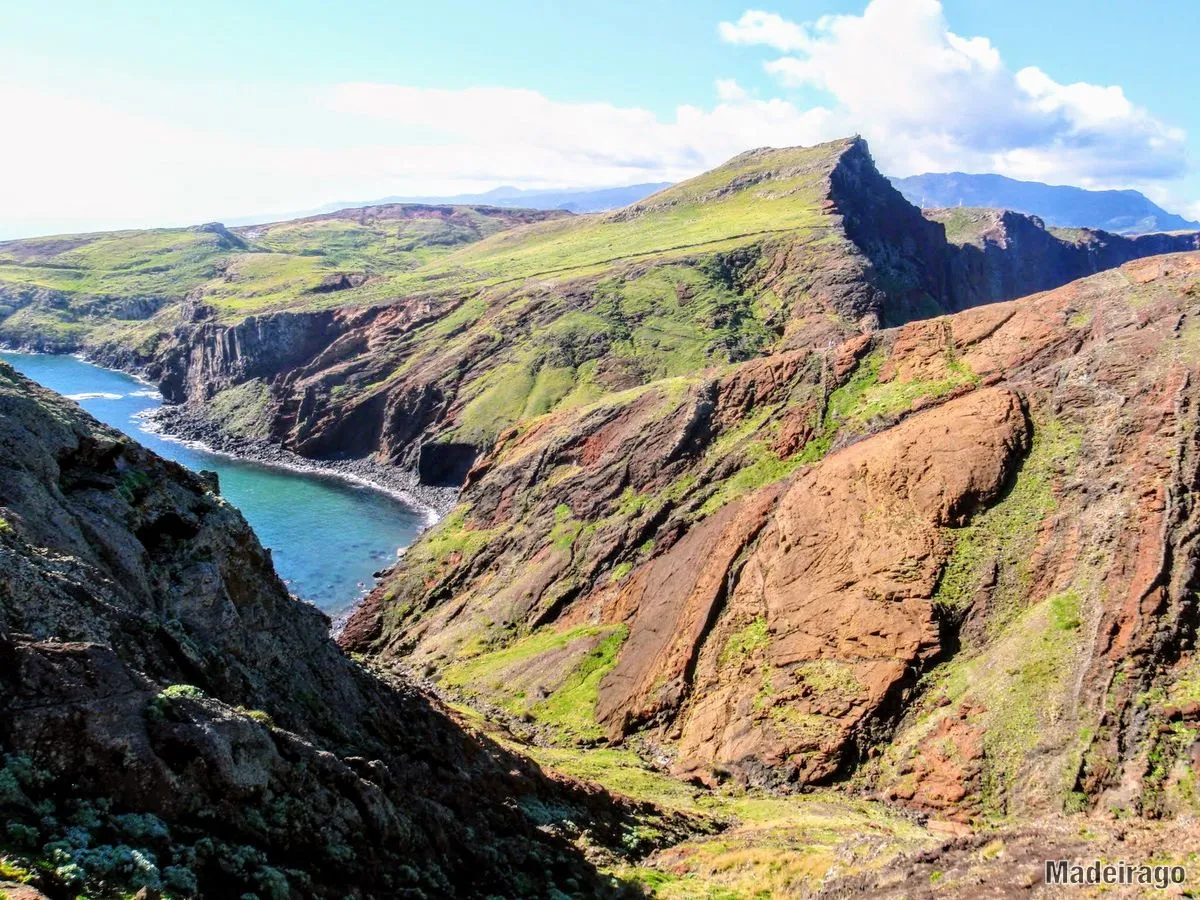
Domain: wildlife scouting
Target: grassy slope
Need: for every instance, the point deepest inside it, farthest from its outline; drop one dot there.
(419, 252)
(573, 309)
(965, 224)
(250, 271)
(558, 312)
(722, 208)
(748, 844)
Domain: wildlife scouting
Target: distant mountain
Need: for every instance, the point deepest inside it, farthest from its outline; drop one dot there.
(1123, 212)
(576, 200)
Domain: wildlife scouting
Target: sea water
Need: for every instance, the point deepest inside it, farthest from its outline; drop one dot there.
(327, 535)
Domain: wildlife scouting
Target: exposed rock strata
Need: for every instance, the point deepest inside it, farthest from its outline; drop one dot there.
(953, 562)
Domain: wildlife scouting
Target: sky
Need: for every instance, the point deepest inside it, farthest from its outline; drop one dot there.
(135, 114)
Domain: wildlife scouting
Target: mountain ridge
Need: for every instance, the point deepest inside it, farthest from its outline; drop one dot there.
(1066, 206)
(364, 331)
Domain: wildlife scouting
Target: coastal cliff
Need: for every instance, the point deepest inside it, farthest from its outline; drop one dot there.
(859, 539)
(171, 719)
(443, 326)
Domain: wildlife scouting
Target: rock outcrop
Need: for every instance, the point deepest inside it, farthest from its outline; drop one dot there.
(952, 563)
(998, 255)
(171, 718)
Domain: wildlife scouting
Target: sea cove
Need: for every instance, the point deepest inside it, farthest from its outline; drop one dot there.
(327, 534)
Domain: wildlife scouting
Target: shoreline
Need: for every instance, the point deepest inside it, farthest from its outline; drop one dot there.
(177, 422)
(181, 423)
(184, 424)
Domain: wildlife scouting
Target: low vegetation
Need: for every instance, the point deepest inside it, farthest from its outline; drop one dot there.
(549, 679)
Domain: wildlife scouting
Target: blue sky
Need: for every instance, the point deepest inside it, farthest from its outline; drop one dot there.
(140, 113)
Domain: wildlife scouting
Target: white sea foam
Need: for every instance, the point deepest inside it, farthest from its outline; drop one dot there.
(94, 395)
(152, 394)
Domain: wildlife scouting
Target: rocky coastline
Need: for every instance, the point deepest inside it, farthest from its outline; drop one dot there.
(185, 423)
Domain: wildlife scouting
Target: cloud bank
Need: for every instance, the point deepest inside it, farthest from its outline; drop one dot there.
(931, 100)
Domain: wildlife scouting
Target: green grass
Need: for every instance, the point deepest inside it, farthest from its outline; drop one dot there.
(270, 267)
(669, 321)
(182, 691)
(1016, 691)
(159, 262)
(742, 644)
(1015, 678)
(242, 272)
(1186, 686)
(770, 845)
(864, 399)
(679, 224)
(1006, 533)
(378, 245)
(452, 536)
(1025, 702)
(964, 224)
(265, 281)
(500, 404)
(619, 572)
(571, 710)
(561, 697)
(762, 466)
(852, 408)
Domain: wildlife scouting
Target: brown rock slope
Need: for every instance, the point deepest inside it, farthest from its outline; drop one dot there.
(952, 562)
(170, 718)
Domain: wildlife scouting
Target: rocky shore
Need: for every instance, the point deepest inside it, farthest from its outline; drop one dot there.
(185, 423)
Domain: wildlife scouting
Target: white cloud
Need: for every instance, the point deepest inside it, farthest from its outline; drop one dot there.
(361, 141)
(929, 99)
(758, 27)
(926, 98)
(522, 135)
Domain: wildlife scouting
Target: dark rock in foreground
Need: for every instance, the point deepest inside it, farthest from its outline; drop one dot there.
(170, 717)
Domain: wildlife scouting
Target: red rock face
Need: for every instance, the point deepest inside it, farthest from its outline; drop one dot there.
(963, 605)
(671, 604)
(842, 579)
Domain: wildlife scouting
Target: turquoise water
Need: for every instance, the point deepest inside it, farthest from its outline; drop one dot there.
(327, 535)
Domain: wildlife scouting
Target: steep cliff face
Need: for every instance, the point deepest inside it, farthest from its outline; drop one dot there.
(950, 563)
(418, 334)
(776, 250)
(170, 717)
(1000, 255)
